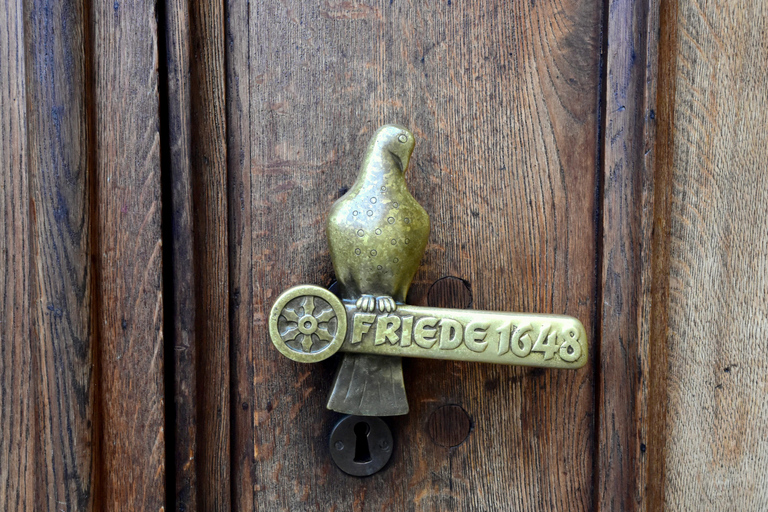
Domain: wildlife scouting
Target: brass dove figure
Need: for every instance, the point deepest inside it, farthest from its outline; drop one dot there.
(377, 234)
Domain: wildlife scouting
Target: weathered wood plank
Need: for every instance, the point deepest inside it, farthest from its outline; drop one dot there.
(662, 179)
(16, 390)
(199, 256)
(128, 256)
(60, 168)
(503, 102)
(238, 108)
(717, 412)
(624, 374)
(181, 306)
(209, 188)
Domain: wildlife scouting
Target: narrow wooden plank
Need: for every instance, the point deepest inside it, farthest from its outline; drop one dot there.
(208, 166)
(194, 57)
(624, 373)
(128, 258)
(16, 390)
(180, 268)
(662, 186)
(717, 412)
(62, 299)
(503, 103)
(238, 107)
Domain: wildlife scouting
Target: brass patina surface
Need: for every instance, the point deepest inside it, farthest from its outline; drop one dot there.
(521, 339)
(377, 234)
(307, 323)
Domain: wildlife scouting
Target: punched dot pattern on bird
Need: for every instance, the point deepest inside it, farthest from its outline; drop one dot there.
(385, 219)
(391, 220)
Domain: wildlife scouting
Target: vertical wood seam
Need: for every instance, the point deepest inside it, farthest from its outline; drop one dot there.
(167, 229)
(96, 312)
(597, 313)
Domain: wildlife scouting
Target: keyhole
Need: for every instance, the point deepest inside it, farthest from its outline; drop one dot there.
(362, 451)
(360, 445)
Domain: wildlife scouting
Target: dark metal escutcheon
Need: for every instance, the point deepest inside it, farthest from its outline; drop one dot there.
(361, 445)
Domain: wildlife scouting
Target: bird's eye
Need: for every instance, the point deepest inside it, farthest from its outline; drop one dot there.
(403, 138)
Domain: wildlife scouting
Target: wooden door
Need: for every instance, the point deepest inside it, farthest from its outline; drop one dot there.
(167, 170)
(503, 102)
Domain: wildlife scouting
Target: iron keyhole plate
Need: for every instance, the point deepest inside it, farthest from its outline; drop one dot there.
(361, 445)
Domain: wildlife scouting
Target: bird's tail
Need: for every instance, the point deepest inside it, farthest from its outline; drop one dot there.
(368, 385)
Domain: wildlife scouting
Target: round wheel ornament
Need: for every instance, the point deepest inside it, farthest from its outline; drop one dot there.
(308, 323)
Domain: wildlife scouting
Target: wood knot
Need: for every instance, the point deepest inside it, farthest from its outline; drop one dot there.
(449, 425)
(450, 292)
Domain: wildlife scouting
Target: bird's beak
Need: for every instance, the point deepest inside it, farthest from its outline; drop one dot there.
(404, 163)
(398, 161)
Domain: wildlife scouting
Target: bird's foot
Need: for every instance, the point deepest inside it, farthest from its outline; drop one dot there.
(386, 304)
(366, 303)
(369, 303)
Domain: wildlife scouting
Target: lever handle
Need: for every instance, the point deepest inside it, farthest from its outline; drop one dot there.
(308, 324)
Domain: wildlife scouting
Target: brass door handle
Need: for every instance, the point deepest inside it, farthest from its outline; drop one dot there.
(324, 324)
(377, 234)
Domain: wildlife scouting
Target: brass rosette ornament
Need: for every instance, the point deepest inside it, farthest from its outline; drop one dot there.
(308, 324)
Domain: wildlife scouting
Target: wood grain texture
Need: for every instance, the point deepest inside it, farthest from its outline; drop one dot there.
(662, 159)
(180, 269)
(717, 414)
(502, 99)
(61, 174)
(128, 256)
(238, 109)
(209, 188)
(16, 379)
(624, 374)
(199, 252)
